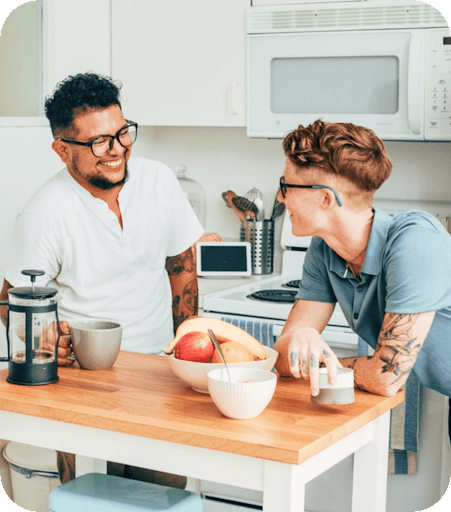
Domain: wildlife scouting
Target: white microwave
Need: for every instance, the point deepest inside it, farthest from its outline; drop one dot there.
(385, 65)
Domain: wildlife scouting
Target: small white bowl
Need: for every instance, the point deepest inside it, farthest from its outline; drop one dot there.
(195, 374)
(246, 396)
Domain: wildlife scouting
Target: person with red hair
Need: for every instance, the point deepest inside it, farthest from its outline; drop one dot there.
(389, 273)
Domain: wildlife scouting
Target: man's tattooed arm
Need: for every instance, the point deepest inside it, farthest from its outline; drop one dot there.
(400, 340)
(185, 293)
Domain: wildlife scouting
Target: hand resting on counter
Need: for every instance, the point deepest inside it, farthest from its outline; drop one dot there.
(301, 353)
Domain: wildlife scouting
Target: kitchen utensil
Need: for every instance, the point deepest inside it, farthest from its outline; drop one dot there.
(255, 196)
(341, 393)
(246, 206)
(195, 374)
(246, 396)
(32, 333)
(241, 215)
(224, 196)
(260, 234)
(96, 343)
(218, 348)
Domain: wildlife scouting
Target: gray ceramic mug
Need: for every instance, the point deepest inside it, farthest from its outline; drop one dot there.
(96, 343)
(341, 393)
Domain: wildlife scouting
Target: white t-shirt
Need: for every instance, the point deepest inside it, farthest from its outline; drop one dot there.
(100, 270)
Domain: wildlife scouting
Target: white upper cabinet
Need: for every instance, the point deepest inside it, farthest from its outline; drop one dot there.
(181, 62)
(78, 38)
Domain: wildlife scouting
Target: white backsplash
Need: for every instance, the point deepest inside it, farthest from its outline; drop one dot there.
(225, 158)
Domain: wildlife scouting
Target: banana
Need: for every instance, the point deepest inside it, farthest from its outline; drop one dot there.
(224, 331)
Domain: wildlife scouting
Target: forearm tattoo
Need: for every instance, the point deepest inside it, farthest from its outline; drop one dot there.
(185, 298)
(184, 262)
(351, 364)
(397, 347)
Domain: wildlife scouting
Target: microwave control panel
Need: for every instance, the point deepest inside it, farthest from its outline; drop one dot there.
(438, 85)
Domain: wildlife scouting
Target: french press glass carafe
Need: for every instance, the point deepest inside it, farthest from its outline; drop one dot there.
(32, 333)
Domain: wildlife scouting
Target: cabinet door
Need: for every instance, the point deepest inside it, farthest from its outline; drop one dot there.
(181, 62)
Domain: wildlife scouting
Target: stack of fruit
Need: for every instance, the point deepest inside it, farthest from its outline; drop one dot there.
(192, 342)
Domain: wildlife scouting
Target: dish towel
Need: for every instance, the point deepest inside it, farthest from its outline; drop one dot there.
(404, 425)
(262, 331)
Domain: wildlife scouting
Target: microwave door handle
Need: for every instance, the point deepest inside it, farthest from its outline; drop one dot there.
(414, 83)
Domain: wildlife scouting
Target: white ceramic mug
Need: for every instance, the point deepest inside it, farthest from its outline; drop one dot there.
(96, 343)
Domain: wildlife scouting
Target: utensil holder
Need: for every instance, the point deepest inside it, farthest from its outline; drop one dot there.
(260, 234)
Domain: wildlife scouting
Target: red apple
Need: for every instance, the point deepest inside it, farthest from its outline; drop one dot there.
(195, 346)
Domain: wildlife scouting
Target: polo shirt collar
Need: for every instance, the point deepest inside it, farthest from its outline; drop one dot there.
(373, 259)
(376, 245)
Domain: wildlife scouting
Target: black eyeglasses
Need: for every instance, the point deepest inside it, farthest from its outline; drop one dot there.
(102, 145)
(284, 186)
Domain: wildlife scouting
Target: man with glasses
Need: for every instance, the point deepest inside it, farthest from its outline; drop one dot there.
(112, 233)
(389, 273)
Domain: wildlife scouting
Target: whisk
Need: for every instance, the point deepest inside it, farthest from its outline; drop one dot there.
(258, 199)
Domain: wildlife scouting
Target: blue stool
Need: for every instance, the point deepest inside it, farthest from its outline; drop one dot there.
(96, 492)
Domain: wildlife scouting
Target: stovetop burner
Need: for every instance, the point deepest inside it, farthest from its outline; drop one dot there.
(288, 296)
(295, 283)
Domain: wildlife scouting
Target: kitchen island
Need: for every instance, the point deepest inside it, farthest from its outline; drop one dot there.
(140, 413)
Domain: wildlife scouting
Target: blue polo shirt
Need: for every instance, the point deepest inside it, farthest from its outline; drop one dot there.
(407, 269)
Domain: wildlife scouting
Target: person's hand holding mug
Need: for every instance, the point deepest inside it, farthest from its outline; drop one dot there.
(49, 337)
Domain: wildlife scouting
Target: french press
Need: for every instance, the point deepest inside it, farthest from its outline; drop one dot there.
(32, 333)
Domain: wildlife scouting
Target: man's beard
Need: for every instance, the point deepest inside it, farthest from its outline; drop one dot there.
(105, 184)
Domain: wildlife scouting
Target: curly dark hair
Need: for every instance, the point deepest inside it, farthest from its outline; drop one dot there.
(79, 93)
(340, 149)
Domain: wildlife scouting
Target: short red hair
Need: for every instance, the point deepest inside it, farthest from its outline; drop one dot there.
(340, 149)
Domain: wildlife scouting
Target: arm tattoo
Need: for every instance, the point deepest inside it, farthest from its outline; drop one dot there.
(397, 347)
(183, 262)
(187, 304)
(351, 365)
(185, 293)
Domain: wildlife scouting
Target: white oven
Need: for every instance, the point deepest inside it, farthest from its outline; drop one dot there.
(278, 292)
(405, 492)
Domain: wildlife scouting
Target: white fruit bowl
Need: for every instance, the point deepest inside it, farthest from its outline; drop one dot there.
(195, 374)
(246, 395)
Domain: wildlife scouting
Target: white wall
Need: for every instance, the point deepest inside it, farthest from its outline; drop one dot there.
(224, 158)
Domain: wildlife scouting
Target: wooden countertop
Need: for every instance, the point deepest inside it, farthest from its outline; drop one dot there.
(141, 396)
